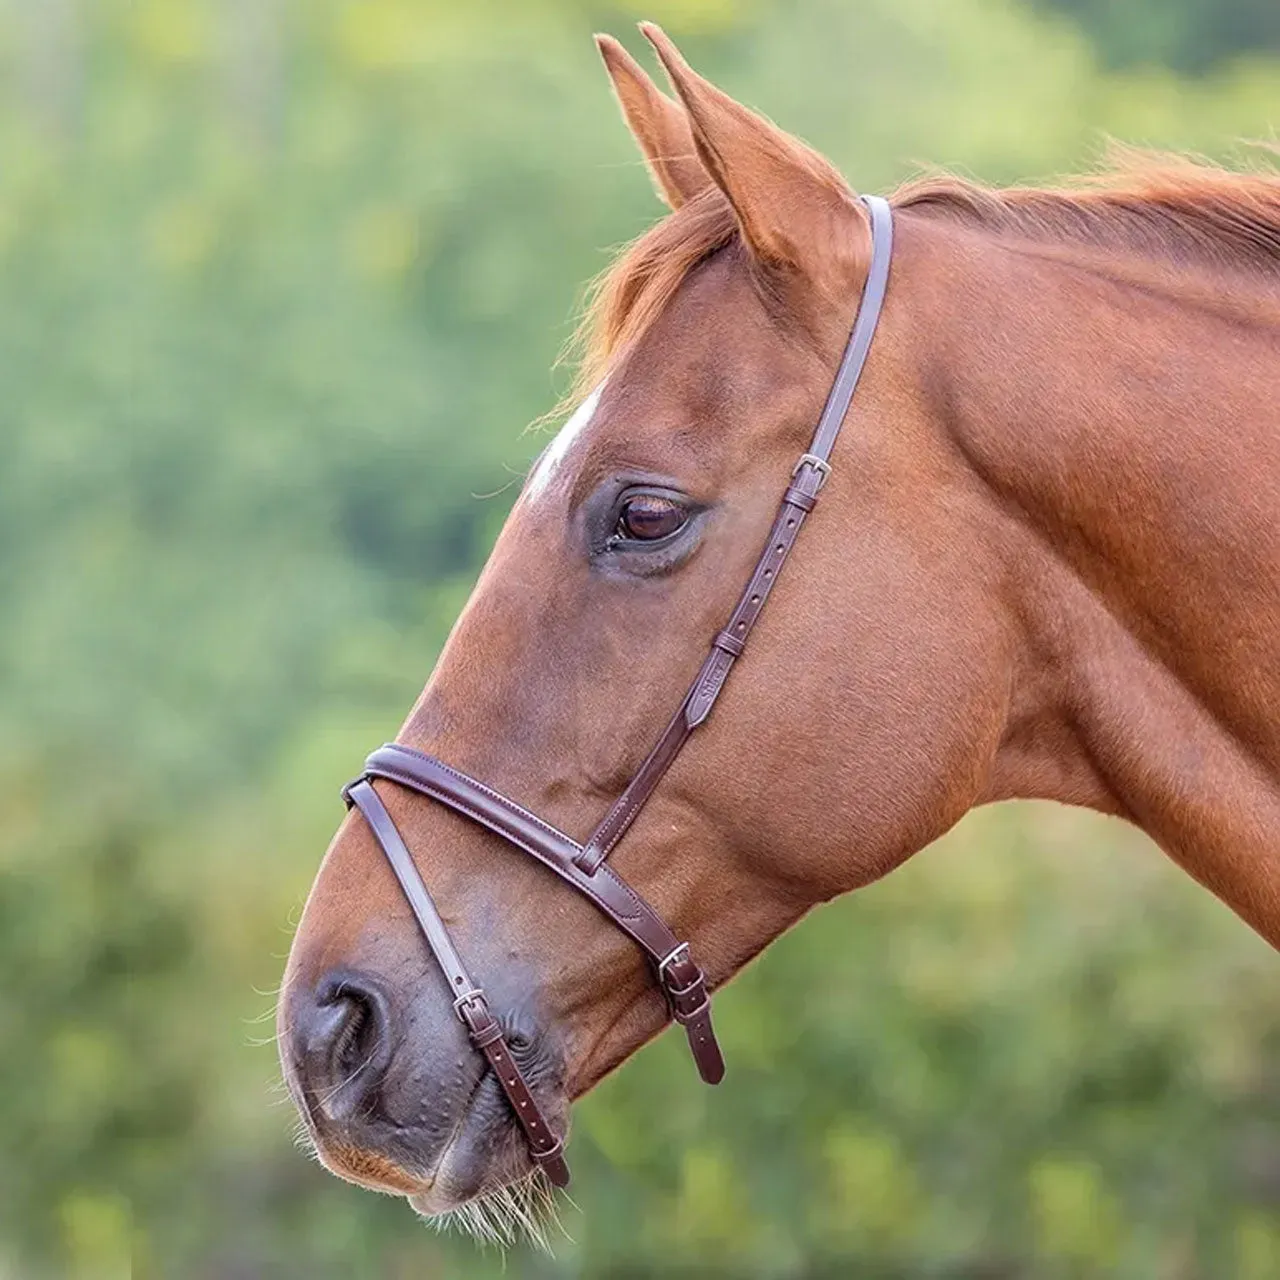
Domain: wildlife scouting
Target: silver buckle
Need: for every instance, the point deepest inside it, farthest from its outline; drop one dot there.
(820, 465)
(476, 993)
(681, 952)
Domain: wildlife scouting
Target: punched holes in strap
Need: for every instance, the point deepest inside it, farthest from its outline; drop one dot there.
(545, 1146)
(807, 478)
(730, 643)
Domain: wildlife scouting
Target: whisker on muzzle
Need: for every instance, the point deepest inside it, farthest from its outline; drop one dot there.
(503, 1216)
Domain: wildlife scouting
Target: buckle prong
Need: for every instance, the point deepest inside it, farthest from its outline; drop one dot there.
(681, 952)
(475, 993)
(820, 465)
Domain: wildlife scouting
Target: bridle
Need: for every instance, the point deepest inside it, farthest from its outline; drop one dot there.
(584, 866)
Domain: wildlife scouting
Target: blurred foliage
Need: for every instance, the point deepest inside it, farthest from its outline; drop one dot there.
(280, 281)
(1191, 35)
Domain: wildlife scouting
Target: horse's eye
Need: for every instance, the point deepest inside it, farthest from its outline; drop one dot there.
(647, 517)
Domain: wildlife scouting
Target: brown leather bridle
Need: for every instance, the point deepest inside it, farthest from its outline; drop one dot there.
(583, 865)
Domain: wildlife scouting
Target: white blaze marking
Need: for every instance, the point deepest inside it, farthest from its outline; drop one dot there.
(555, 452)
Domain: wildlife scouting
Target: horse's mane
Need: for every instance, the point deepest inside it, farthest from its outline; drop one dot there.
(1153, 204)
(1150, 203)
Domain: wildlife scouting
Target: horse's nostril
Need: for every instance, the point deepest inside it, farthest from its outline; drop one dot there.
(357, 1034)
(343, 1044)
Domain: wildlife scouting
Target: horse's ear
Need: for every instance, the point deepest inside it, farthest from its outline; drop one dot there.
(793, 208)
(660, 126)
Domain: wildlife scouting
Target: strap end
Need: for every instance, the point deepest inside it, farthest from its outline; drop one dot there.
(705, 1048)
(554, 1165)
(686, 988)
(706, 689)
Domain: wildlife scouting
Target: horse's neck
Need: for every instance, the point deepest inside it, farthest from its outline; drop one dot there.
(1129, 428)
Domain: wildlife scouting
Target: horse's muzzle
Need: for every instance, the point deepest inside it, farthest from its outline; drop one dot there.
(396, 1098)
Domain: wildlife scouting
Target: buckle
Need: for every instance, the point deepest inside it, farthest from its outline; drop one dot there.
(680, 953)
(820, 465)
(468, 997)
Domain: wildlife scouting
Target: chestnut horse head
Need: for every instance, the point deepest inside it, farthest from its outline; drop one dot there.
(1046, 563)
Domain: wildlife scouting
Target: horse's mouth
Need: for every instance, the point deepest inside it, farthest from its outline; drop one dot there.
(485, 1153)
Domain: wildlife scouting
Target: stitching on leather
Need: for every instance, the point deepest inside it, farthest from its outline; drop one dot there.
(509, 805)
(642, 909)
(470, 808)
(611, 819)
(631, 812)
(629, 815)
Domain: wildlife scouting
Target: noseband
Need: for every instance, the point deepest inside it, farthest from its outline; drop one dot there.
(584, 866)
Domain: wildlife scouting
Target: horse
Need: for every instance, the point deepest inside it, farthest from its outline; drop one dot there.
(1046, 564)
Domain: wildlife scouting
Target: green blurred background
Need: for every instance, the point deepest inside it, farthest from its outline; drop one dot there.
(281, 281)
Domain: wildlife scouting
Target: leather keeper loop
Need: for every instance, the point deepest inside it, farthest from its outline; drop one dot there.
(486, 1034)
(699, 979)
(730, 643)
(678, 997)
(798, 498)
(552, 1163)
(588, 858)
(685, 1016)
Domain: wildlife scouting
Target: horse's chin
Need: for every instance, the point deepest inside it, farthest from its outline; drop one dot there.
(484, 1159)
(497, 1197)
(368, 1169)
(476, 1162)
